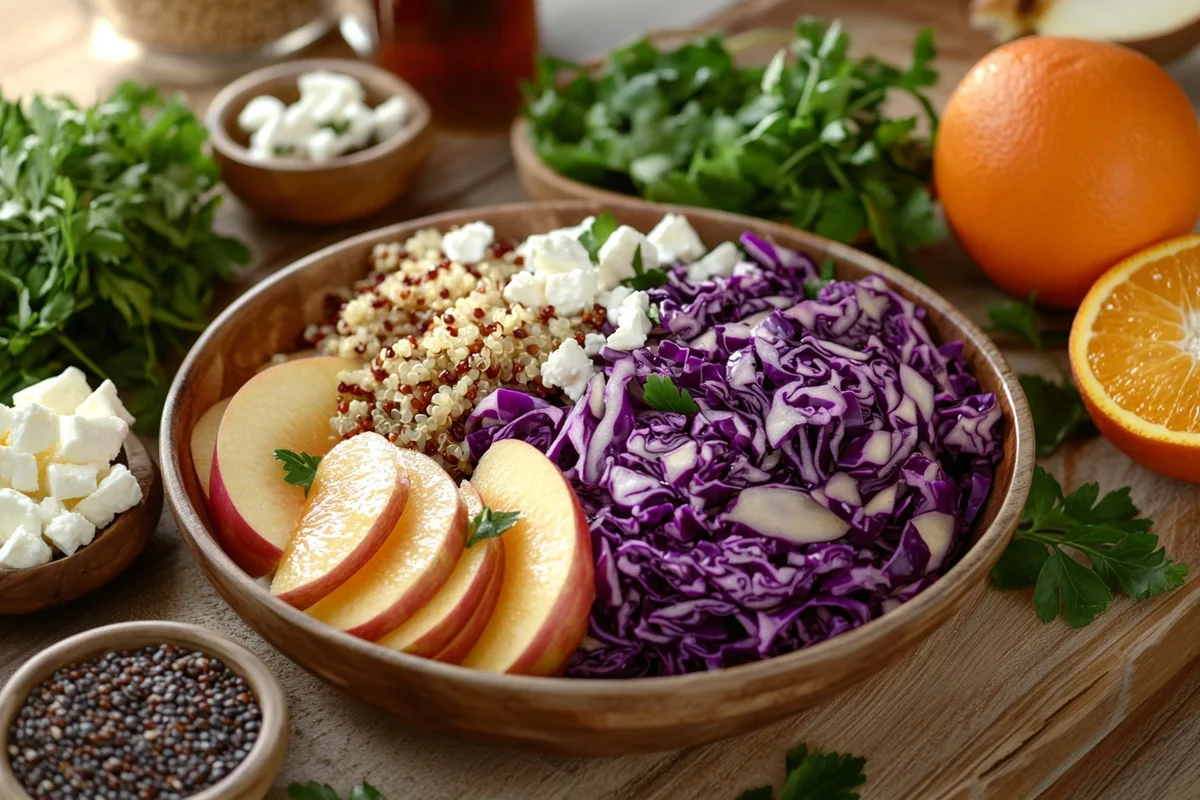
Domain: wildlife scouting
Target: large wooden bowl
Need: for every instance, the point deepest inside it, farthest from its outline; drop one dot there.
(570, 716)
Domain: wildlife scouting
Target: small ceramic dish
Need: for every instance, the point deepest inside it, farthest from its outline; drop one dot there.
(23, 591)
(250, 780)
(346, 187)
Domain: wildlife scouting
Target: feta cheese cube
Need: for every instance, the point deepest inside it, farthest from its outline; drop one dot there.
(17, 511)
(719, 263)
(90, 440)
(320, 82)
(676, 240)
(5, 421)
(323, 145)
(553, 253)
(525, 248)
(361, 126)
(593, 343)
(572, 292)
(568, 368)
(69, 481)
(273, 136)
(104, 403)
(61, 394)
(390, 116)
(19, 470)
(68, 532)
(527, 289)
(468, 244)
(119, 491)
(34, 429)
(612, 299)
(24, 549)
(258, 111)
(49, 508)
(616, 256)
(633, 323)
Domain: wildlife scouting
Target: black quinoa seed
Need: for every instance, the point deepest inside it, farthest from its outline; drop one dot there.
(159, 723)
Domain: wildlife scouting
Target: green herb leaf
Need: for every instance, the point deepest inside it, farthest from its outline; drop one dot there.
(813, 287)
(1123, 556)
(1057, 410)
(813, 775)
(311, 791)
(300, 469)
(644, 279)
(660, 392)
(603, 226)
(337, 126)
(365, 791)
(489, 524)
(655, 314)
(1017, 319)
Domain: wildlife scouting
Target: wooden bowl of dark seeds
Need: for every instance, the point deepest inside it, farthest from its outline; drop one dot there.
(157, 710)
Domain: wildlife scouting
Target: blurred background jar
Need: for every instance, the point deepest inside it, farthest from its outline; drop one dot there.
(466, 57)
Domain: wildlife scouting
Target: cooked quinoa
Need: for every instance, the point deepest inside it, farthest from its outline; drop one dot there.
(436, 336)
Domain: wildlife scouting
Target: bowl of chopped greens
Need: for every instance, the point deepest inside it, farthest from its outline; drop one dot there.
(809, 136)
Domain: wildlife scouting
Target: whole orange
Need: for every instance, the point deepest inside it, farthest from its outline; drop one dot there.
(1056, 158)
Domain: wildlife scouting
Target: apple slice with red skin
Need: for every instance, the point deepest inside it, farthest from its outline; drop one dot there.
(469, 592)
(412, 565)
(359, 492)
(462, 643)
(549, 586)
(286, 407)
(204, 443)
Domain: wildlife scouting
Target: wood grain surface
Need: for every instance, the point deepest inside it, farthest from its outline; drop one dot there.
(993, 704)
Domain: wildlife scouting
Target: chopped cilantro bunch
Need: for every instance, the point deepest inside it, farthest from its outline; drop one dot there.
(804, 138)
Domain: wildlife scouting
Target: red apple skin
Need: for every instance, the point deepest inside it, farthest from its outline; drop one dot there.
(458, 647)
(439, 637)
(254, 554)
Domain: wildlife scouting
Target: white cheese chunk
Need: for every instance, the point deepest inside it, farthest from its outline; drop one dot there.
(569, 369)
(90, 440)
(572, 292)
(34, 429)
(24, 549)
(633, 323)
(323, 145)
(61, 394)
(526, 247)
(676, 240)
(258, 111)
(321, 82)
(527, 289)
(468, 244)
(119, 491)
(5, 421)
(68, 532)
(49, 508)
(390, 116)
(612, 299)
(17, 511)
(104, 402)
(69, 481)
(616, 256)
(719, 263)
(556, 252)
(19, 470)
(593, 343)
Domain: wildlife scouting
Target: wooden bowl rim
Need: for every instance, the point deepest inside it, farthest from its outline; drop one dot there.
(217, 118)
(864, 638)
(144, 469)
(266, 687)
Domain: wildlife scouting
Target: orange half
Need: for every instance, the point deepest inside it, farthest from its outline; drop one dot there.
(1135, 353)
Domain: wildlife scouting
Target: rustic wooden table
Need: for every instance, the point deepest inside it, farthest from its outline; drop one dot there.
(993, 705)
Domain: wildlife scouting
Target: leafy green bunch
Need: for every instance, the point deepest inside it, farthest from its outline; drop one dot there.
(107, 254)
(803, 139)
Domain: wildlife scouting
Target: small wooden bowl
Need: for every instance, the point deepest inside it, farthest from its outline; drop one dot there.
(344, 188)
(250, 780)
(23, 591)
(561, 715)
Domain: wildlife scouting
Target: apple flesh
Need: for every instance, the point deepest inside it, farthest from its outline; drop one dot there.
(286, 407)
(542, 612)
(204, 443)
(468, 593)
(359, 492)
(412, 565)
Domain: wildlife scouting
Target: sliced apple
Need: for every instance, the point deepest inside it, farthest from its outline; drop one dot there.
(412, 565)
(359, 492)
(307, 352)
(286, 407)
(204, 443)
(542, 612)
(466, 594)
(465, 641)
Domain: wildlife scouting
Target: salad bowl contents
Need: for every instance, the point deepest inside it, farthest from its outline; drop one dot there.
(638, 444)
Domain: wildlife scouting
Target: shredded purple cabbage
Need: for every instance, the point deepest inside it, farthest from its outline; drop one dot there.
(836, 464)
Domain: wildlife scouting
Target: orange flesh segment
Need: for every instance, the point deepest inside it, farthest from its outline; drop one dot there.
(538, 550)
(360, 481)
(1145, 343)
(417, 541)
(204, 442)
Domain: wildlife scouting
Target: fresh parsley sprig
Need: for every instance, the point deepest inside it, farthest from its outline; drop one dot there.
(1057, 410)
(660, 393)
(602, 227)
(489, 524)
(299, 469)
(816, 776)
(1016, 318)
(1123, 555)
(644, 279)
(323, 791)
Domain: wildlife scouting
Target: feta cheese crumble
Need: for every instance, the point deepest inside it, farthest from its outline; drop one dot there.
(719, 263)
(568, 368)
(616, 256)
(468, 244)
(676, 240)
(633, 323)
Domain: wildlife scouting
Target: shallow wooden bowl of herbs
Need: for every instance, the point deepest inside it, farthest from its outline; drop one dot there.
(24, 591)
(771, 123)
(196, 651)
(343, 188)
(564, 715)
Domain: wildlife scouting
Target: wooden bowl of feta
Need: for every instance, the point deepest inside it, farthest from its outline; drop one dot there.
(319, 141)
(79, 494)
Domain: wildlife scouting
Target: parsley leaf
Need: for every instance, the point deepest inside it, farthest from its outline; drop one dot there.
(1017, 319)
(660, 393)
(1057, 410)
(603, 226)
(816, 776)
(1123, 556)
(337, 126)
(813, 286)
(489, 524)
(323, 791)
(655, 314)
(644, 279)
(299, 469)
